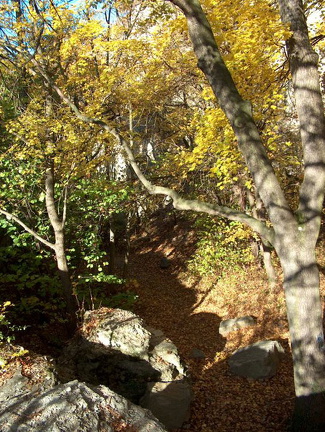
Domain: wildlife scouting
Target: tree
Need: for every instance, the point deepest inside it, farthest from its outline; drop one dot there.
(293, 232)
(51, 153)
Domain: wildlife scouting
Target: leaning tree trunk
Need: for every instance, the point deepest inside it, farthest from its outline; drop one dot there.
(295, 234)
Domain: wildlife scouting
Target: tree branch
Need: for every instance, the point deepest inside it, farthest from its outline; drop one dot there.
(26, 228)
(181, 203)
(178, 202)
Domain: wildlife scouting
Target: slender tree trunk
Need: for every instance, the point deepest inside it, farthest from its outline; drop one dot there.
(259, 213)
(266, 248)
(111, 251)
(63, 270)
(268, 264)
(58, 227)
(127, 247)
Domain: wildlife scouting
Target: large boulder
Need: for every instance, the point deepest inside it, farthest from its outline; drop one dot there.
(117, 329)
(259, 360)
(234, 324)
(115, 348)
(75, 406)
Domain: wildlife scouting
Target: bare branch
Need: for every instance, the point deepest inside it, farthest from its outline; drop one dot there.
(26, 228)
(181, 203)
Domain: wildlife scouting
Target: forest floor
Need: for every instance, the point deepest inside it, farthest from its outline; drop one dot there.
(189, 311)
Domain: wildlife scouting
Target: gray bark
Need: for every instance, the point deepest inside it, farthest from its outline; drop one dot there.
(305, 319)
(259, 213)
(268, 264)
(301, 275)
(59, 246)
(295, 236)
(310, 109)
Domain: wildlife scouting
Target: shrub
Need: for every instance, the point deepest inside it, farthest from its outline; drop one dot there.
(222, 245)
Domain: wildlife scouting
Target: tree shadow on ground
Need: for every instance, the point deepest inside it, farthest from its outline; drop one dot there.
(169, 302)
(165, 303)
(222, 401)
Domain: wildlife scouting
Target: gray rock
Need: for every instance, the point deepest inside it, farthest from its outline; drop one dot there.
(230, 325)
(164, 357)
(14, 388)
(259, 360)
(75, 407)
(19, 386)
(157, 336)
(92, 363)
(121, 330)
(169, 402)
(167, 351)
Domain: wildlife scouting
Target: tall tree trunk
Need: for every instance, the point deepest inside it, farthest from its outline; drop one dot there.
(295, 234)
(304, 311)
(301, 277)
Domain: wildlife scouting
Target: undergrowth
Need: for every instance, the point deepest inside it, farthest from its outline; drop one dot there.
(222, 245)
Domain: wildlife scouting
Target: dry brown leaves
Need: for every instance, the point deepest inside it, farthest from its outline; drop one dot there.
(189, 312)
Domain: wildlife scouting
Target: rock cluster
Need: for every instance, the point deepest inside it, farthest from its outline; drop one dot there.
(110, 376)
(116, 349)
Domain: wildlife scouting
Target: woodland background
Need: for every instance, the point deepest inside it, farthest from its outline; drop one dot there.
(70, 201)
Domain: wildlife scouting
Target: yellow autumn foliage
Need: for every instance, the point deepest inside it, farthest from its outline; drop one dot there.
(142, 63)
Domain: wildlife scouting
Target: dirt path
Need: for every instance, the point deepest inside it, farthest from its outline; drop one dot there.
(190, 314)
